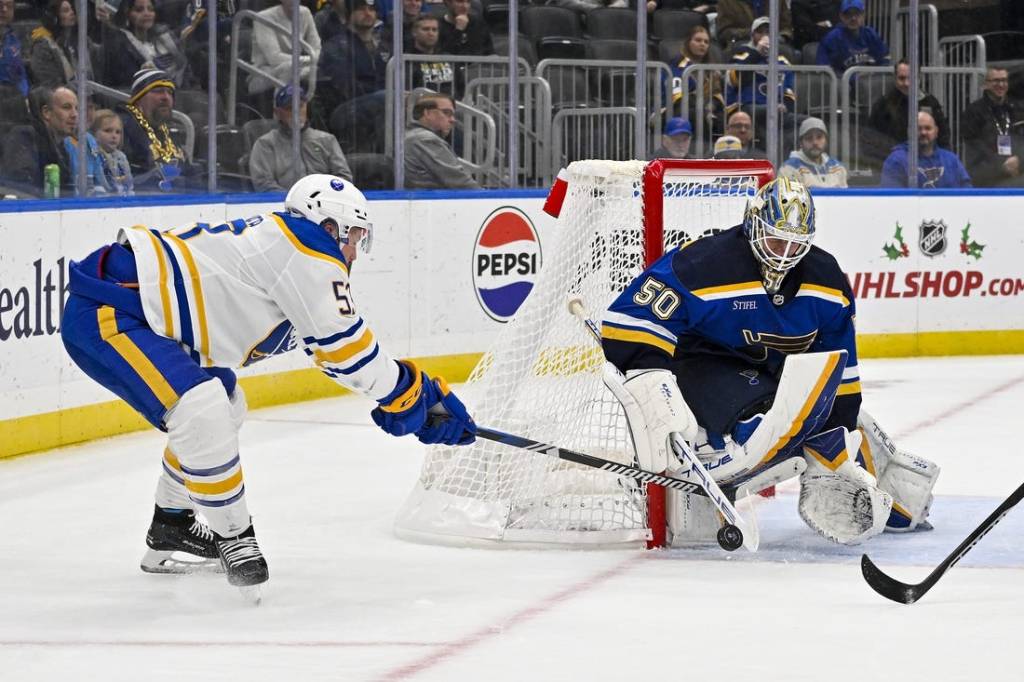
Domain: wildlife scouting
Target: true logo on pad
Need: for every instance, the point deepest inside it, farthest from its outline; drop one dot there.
(506, 261)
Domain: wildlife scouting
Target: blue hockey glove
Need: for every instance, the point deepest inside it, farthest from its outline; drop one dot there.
(406, 410)
(448, 421)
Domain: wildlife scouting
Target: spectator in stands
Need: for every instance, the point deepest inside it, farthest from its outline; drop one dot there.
(696, 50)
(271, 164)
(13, 75)
(936, 167)
(747, 91)
(410, 10)
(437, 76)
(735, 16)
(889, 112)
(729, 147)
(810, 164)
(330, 19)
(55, 46)
(94, 180)
(852, 43)
(157, 163)
(30, 148)
(462, 32)
(741, 127)
(585, 6)
(430, 162)
(195, 41)
(993, 141)
(108, 130)
(136, 41)
(812, 20)
(675, 140)
(272, 51)
(351, 79)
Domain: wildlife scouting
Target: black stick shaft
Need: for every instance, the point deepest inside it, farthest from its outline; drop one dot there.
(588, 460)
(895, 590)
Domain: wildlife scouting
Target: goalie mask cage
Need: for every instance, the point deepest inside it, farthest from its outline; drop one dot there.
(542, 377)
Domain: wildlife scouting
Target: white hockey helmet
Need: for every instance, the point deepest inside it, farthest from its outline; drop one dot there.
(320, 198)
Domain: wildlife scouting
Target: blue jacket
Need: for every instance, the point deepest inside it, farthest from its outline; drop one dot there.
(94, 178)
(12, 64)
(751, 88)
(942, 169)
(842, 49)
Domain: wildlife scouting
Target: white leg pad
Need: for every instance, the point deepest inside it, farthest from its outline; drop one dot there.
(908, 478)
(692, 519)
(202, 435)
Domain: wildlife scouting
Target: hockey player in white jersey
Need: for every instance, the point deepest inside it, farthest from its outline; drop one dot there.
(159, 318)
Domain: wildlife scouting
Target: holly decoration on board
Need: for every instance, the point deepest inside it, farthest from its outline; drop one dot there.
(968, 246)
(897, 249)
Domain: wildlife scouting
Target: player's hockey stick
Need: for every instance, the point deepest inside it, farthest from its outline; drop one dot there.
(893, 589)
(588, 460)
(736, 531)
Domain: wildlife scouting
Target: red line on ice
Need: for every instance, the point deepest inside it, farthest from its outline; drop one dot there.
(500, 627)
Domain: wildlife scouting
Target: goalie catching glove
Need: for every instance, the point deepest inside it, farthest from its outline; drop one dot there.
(424, 406)
(838, 499)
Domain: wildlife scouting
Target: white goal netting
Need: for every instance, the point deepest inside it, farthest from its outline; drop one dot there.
(542, 377)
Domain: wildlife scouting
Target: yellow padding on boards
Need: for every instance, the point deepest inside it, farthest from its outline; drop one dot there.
(33, 433)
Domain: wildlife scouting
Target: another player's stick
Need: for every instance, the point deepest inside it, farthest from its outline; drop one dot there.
(736, 531)
(908, 594)
(588, 460)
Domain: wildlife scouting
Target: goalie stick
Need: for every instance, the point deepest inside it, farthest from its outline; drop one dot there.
(893, 589)
(736, 531)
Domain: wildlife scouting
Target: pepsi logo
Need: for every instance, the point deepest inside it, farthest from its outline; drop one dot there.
(506, 260)
(337, 184)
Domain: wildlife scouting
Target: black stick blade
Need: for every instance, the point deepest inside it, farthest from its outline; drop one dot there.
(889, 588)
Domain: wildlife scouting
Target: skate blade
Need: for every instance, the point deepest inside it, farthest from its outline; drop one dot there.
(252, 594)
(178, 563)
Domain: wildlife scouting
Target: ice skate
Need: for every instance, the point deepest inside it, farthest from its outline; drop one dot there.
(244, 563)
(180, 543)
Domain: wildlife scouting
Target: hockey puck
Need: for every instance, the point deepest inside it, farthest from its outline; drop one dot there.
(730, 538)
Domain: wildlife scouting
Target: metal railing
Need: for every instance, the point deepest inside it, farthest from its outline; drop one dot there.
(815, 88)
(598, 133)
(863, 86)
(235, 62)
(609, 84)
(533, 125)
(965, 50)
(928, 20)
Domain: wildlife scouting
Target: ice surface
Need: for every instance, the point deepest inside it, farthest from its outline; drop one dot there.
(348, 601)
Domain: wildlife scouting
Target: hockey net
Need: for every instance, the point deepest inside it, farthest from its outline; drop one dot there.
(542, 377)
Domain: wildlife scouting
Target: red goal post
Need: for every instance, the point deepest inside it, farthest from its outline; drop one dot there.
(655, 174)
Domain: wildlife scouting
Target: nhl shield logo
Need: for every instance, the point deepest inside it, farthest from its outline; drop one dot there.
(933, 238)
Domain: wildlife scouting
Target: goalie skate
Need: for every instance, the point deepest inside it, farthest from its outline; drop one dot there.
(179, 543)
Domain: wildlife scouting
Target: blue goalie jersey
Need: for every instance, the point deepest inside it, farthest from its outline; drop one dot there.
(706, 298)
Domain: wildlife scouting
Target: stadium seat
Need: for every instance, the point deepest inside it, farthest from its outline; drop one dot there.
(612, 22)
(371, 171)
(674, 24)
(495, 13)
(611, 49)
(549, 25)
(523, 44)
(569, 88)
(809, 54)
(561, 47)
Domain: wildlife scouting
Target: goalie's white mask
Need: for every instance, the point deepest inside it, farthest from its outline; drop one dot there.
(779, 222)
(321, 198)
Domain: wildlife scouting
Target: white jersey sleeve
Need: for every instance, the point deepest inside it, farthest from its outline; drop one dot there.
(237, 292)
